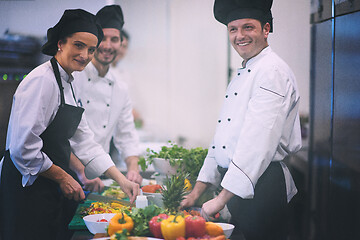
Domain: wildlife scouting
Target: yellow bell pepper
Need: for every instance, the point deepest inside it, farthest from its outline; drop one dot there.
(213, 229)
(173, 227)
(119, 222)
(188, 186)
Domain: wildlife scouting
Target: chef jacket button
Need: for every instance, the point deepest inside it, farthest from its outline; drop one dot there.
(213, 147)
(104, 126)
(107, 105)
(229, 119)
(238, 74)
(249, 70)
(87, 101)
(109, 83)
(235, 94)
(224, 147)
(89, 79)
(219, 121)
(226, 96)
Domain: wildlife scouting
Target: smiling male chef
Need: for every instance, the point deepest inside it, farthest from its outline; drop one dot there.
(257, 128)
(107, 104)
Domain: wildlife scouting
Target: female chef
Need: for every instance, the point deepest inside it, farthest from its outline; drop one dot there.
(38, 195)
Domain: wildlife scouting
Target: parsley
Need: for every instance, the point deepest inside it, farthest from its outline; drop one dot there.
(142, 217)
(187, 161)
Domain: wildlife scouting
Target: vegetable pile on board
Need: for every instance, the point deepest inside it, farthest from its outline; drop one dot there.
(168, 222)
(154, 221)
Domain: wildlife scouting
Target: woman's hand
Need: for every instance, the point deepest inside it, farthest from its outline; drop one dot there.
(72, 189)
(68, 185)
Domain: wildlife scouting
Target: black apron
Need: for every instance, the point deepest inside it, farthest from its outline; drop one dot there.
(40, 211)
(264, 216)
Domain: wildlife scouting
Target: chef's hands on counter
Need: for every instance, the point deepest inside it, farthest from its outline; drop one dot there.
(133, 173)
(211, 207)
(130, 188)
(92, 185)
(215, 205)
(68, 185)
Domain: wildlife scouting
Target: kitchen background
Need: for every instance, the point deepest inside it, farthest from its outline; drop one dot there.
(178, 56)
(180, 63)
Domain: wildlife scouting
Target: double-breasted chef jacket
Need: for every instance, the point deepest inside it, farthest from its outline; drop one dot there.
(258, 124)
(108, 110)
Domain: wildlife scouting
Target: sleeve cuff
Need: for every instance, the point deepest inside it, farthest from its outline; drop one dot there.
(238, 183)
(209, 172)
(98, 166)
(131, 152)
(29, 178)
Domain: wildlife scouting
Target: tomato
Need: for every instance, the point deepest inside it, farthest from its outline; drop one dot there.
(102, 220)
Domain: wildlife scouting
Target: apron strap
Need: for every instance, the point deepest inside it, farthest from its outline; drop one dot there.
(58, 78)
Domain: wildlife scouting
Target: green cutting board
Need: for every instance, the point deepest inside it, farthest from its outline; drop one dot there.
(77, 223)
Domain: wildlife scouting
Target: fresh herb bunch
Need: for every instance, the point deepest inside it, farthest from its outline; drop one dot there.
(172, 154)
(141, 218)
(188, 161)
(192, 162)
(174, 192)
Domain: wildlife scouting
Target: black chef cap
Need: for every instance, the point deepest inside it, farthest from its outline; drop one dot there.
(72, 21)
(226, 11)
(111, 16)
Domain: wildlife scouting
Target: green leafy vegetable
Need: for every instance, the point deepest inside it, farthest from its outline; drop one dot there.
(141, 218)
(187, 161)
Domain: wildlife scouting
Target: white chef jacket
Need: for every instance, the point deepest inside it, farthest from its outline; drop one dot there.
(35, 104)
(108, 110)
(258, 123)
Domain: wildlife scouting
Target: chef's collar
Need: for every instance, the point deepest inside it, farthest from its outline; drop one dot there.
(93, 73)
(263, 52)
(64, 75)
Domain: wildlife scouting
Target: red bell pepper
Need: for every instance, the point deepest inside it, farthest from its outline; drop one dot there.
(195, 226)
(152, 188)
(155, 225)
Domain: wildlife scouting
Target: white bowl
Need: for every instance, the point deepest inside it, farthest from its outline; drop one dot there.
(227, 228)
(91, 222)
(155, 198)
(163, 166)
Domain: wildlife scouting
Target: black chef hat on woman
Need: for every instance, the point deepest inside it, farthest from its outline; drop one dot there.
(226, 11)
(72, 21)
(111, 16)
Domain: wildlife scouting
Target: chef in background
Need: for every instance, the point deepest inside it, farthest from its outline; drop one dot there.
(257, 128)
(38, 193)
(106, 100)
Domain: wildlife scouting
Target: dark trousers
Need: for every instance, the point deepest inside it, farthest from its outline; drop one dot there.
(265, 216)
(36, 212)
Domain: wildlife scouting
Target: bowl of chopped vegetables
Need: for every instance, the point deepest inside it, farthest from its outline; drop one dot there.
(98, 223)
(227, 228)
